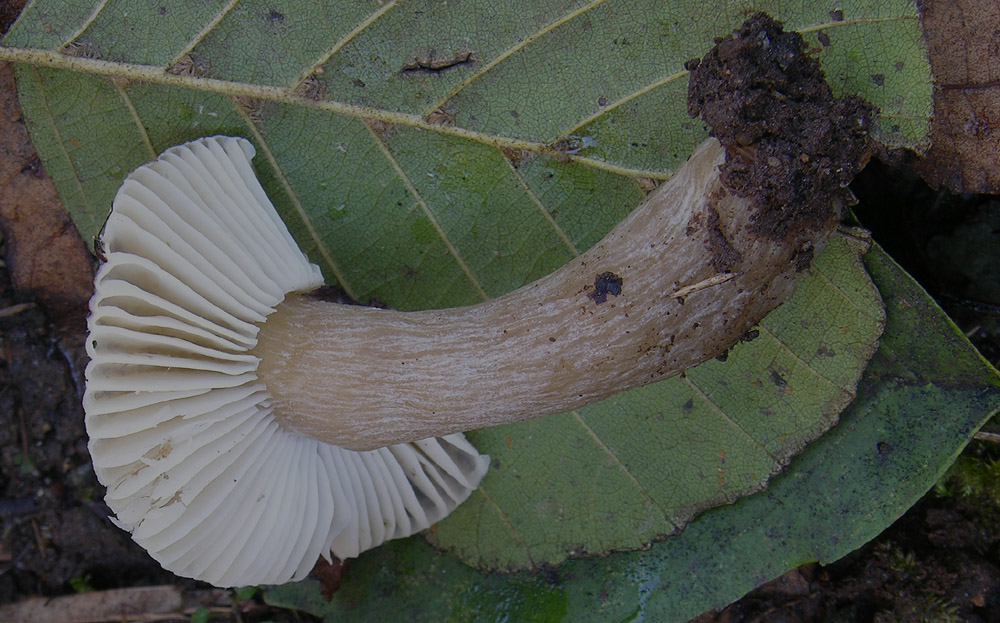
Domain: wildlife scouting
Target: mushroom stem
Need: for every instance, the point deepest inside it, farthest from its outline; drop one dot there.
(679, 281)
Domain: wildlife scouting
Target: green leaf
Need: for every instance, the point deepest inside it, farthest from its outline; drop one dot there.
(918, 404)
(200, 615)
(447, 90)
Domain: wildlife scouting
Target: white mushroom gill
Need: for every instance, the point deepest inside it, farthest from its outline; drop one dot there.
(182, 431)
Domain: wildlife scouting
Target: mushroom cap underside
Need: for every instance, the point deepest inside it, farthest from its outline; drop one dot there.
(182, 432)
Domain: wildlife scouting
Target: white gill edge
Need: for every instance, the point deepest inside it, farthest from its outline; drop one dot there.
(181, 430)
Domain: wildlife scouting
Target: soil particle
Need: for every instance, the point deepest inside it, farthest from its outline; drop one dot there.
(724, 254)
(604, 284)
(789, 143)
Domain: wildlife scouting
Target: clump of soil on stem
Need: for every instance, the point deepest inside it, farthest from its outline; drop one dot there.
(789, 142)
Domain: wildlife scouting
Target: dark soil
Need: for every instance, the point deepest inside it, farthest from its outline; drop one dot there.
(790, 144)
(54, 531)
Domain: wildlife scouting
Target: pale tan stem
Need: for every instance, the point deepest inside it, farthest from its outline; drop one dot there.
(694, 279)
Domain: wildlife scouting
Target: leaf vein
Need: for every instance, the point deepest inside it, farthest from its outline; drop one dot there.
(560, 232)
(427, 212)
(642, 490)
(815, 270)
(61, 142)
(506, 520)
(788, 351)
(297, 204)
(200, 36)
(127, 102)
(625, 100)
(350, 36)
(156, 75)
(86, 23)
(687, 380)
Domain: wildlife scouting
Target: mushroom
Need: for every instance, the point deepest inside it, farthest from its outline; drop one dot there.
(183, 431)
(245, 427)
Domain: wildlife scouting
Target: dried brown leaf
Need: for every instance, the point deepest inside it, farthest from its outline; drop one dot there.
(965, 60)
(48, 261)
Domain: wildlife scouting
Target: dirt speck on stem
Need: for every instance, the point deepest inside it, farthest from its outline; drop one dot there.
(789, 142)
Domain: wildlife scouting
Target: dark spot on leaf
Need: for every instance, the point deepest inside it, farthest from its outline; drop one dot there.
(517, 157)
(604, 284)
(311, 88)
(836, 16)
(551, 575)
(383, 129)
(602, 101)
(824, 39)
(442, 116)
(275, 17)
(188, 65)
(878, 79)
(82, 48)
(778, 380)
(567, 145)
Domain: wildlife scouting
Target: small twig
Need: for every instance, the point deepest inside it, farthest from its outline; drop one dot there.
(38, 539)
(714, 280)
(15, 309)
(986, 436)
(173, 616)
(24, 433)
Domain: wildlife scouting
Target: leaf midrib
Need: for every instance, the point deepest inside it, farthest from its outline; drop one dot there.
(155, 74)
